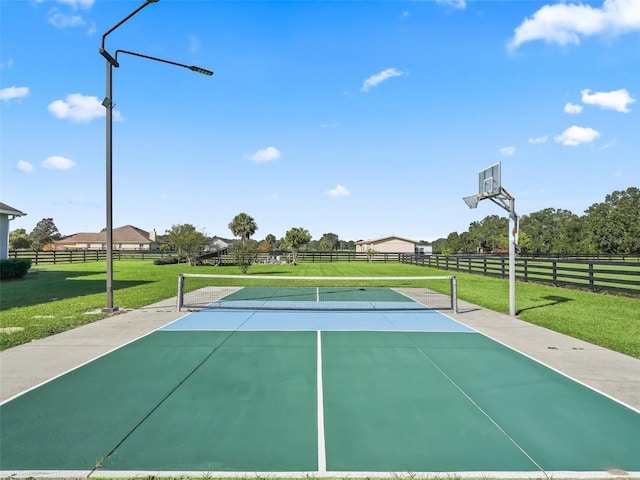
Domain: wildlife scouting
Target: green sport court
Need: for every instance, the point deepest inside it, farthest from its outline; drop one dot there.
(378, 392)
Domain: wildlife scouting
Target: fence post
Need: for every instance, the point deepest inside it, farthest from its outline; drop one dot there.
(591, 279)
(180, 299)
(554, 275)
(454, 294)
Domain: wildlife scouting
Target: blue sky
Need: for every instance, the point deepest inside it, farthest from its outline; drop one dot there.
(360, 118)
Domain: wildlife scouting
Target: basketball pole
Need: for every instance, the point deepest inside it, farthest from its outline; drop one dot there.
(499, 199)
(513, 230)
(513, 240)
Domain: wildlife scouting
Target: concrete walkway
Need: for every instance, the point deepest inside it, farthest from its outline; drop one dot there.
(612, 373)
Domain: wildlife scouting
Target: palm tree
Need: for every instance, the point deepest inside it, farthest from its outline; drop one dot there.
(243, 226)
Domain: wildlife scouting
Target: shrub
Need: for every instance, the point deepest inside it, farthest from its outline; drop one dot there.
(14, 268)
(165, 261)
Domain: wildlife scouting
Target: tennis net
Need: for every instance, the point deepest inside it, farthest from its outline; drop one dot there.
(258, 292)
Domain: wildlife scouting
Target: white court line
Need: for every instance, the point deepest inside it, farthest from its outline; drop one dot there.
(322, 455)
(507, 475)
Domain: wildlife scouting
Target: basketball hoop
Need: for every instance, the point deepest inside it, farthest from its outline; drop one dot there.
(490, 186)
(472, 200)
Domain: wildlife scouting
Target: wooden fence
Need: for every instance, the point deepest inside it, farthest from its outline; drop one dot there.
(591, 274)
(79, 256)
(74, 256)
(614, 274)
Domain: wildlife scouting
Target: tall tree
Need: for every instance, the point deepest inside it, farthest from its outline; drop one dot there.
(296, 238)
(270, 239)
(551, 231)
(243, 226)
(187, 241)
(44, 233)
(329, 241)
(19, 239)
(613, 226)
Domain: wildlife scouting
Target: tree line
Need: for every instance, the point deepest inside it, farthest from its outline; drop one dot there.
(608, 227)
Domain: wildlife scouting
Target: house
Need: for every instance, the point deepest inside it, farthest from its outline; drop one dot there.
(7, 214)
(424, 249)
(218, 245)
(124, 238)
(390, 244)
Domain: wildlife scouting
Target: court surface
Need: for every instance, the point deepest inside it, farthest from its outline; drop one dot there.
(322, 393)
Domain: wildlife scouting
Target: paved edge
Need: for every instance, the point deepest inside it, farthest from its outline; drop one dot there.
(614, 374)
(26, 366)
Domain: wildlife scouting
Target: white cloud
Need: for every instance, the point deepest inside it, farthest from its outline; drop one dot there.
(565, 23)
(575, 136)
(330, 125)
(10, 93)
(611, 144)
(459, 4)
(57, 162)
(618, 100)
(378, 78)
(78, 108)
(194, 44)
(508, 151)
(61, 20)
(537, 140)
(75, 4)
(24, 166)
(266, 155)
(573, 109)
(70, 19)
(339, 191)
(7, 64)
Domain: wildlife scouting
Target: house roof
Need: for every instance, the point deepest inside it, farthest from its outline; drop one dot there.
(126, 234)
(384, 239)
(8, 210)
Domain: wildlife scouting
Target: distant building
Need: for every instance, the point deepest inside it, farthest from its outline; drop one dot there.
(424, 249)
(218, 245)
(7, 214)
(124, 238)
(390, 244)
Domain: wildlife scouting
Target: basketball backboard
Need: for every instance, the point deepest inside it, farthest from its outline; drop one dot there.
(489, 182)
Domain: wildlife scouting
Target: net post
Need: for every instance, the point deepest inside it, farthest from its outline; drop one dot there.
(180, 299)
(454, 294)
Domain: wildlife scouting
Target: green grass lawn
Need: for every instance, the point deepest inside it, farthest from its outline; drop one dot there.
(55, 298)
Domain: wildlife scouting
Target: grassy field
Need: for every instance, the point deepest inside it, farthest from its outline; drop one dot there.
(54, 298)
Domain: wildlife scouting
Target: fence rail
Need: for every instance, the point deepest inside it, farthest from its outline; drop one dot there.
(73, 256)
(594, 275)
(605, 273)
(79, 256)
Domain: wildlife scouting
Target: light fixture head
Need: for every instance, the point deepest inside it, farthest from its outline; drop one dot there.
(200, 70)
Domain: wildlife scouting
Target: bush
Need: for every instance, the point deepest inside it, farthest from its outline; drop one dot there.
(14, 268)
(165, 261)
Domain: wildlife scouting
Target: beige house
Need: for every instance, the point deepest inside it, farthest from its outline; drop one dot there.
(124, 238)
(391, 244)
(7, 214)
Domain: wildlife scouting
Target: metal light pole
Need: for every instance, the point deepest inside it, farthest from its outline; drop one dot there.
(112, 61)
